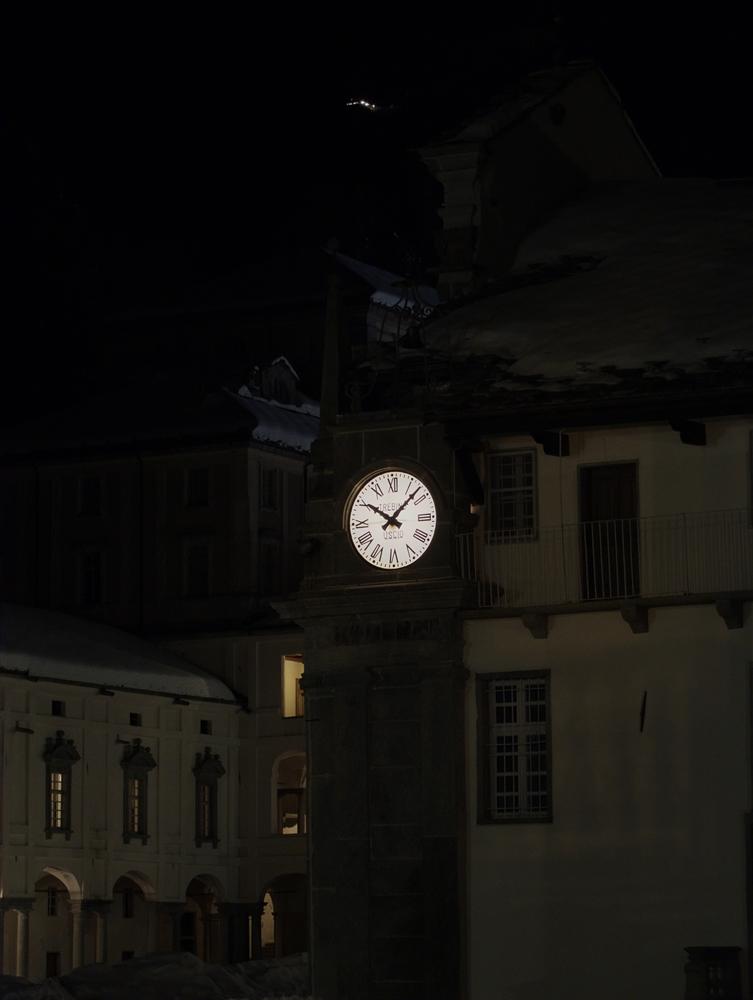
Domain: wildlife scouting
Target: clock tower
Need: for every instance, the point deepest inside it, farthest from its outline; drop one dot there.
(384, 691)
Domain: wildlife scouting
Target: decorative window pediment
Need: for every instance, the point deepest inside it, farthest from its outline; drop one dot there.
(208, 768)
(59, 751)
(138, 758)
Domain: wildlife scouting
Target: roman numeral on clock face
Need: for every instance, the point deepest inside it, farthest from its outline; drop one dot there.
(391, 520)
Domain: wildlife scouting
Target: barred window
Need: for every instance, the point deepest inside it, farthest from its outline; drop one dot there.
(137, 762)
(136, 813)
(60, 755)
(207, 771)
(514, 747)
(511, 485)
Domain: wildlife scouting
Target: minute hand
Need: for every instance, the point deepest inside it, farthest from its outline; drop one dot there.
(405, 503)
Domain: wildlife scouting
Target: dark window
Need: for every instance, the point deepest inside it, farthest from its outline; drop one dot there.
(52, 964)
(196, 570)
(270, 489)
(205, 727)
(197, 487)
(89, 496)
(511, 486)
(188, 932)
(52, 902)
(90, 577)
(58, 707)
(59, 756)
(126, 956)
(291, 810)
(291, 794)
(514, 746)
(206, 811)
(207, 771)
(270, 566)
(135, 719)
(128, 903)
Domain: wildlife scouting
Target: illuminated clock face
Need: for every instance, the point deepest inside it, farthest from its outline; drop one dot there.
(392, 519)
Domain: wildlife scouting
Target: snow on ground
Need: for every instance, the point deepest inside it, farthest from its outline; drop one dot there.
(179, 976)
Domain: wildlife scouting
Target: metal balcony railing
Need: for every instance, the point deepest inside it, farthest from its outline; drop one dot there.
(674, 555)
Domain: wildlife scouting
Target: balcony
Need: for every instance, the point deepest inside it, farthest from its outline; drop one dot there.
(678, 555)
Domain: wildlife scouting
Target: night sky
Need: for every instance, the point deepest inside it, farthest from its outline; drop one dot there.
(169, 176)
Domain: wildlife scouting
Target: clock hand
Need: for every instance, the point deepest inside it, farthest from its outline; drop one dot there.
(407, 501)
(388, 518)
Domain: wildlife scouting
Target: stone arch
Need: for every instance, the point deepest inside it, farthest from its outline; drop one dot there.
(288, 793)
(200, 924)
(284, 921)
(55, 933)
(133, 920)
(69, 881)
(141, 881)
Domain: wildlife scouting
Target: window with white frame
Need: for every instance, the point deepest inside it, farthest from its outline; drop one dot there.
(514, 747)
(511, 489)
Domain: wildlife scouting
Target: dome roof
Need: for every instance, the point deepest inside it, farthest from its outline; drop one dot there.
(54, 646)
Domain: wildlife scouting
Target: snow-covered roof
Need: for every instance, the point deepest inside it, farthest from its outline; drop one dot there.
(631, 290)
(55, 646)
(391, 290)
(162, 415)
(290, 426)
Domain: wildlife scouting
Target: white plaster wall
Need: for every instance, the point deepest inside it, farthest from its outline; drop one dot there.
(95, 854)
(252, 665)
(645, 854)
(672, 477)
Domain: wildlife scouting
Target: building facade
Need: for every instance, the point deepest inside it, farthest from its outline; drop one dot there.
(529, 713)
(177, 524)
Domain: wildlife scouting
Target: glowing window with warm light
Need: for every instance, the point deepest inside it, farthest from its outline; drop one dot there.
(292, 692)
